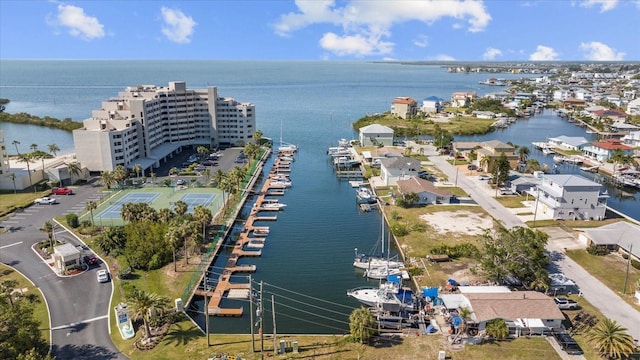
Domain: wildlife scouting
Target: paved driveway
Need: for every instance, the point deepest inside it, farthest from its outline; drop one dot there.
(78, 305)
(600, 296)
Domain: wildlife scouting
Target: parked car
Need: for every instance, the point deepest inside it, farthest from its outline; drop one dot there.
(61, 191)
(567, 343)
(180, 182)
(472, 167)
(484, 177)
(45, 201)
(90, 259)
(505, 191)
(566, 304)
(102, 275)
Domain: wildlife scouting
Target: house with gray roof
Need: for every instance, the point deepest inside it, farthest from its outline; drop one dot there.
(398, 168)
(568, 142)
(570, 197)
(376, 135)
(621, 236)
(427, 192)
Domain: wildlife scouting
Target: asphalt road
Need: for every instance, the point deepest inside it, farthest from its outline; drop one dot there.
(78, 305)
(600, 296)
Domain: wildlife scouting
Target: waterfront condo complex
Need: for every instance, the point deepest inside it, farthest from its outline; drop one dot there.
(145, 124)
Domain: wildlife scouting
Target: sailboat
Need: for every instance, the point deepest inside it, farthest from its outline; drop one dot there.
(286, 147)
(388, 296)
(367, 262)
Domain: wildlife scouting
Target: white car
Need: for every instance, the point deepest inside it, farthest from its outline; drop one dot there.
(103, 276)
(180, 182)
(45, 201)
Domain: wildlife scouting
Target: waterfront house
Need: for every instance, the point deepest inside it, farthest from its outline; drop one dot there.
(404, 107)
(568, 142)
(499, 95)
(622, 237)
(610, 114)
(622, 127)
(398, 168)
(427, 192)
(602, 150)
(573, 103)
(376, 135)
(484, 114)
(492, 150)
(633, 107)
(462, 98)
(522, 182)
(632, 139)
(570, 197)
(431, 105)
(525, 312)
(561, 95)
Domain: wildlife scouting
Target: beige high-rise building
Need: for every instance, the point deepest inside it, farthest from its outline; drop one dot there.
(146, 124)
(4, 156)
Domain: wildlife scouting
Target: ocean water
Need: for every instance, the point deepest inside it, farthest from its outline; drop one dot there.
(307, 261)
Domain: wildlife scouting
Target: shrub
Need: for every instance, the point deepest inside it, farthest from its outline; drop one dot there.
(635, 264)
(597, 250)
(457, 251)
(399, 229)
(125, 273)
(72, 220)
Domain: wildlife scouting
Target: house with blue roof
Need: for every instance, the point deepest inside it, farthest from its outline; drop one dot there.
(432, 105)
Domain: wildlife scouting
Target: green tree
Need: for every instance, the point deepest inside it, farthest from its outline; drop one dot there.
(257, 137)
(153, 176)
(119, 174)
(174, 236)
(237, 175)
(74, 170)
(146, 245)
(112, 242)
(497, 329)
(91, 205)
(27, 158)
(516, 253)
(107, 179)
(218, 177)
(34, 354)
(6, 290)
(610, 339)
(501, 170)
(362, 325)
(47, 228)
(16, 143)
(523, 154)
(180, 207)
(53, 148)
(12, 177)
(19, 331)
(173, 171)
(203, 216)
(137, 168)
(143, 303)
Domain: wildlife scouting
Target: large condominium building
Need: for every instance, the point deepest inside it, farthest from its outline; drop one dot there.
(4, 157)
(146, 124)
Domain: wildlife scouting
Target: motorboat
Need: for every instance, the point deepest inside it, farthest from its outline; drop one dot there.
(255, 244)
(273, 205)
(345, 161)
(280, 177)
(388, 296)
(280, 183)
(365, 195)
(261, 231)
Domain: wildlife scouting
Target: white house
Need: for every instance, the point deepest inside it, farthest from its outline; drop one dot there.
(633, 107)
(568, 142)
(570, 197)
(375, 135)
(432, 104)
(426, 191)
(398, 168)
(632, 139)
(602, 150)
(621, 236)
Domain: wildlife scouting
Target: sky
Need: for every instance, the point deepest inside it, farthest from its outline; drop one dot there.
(402, 30)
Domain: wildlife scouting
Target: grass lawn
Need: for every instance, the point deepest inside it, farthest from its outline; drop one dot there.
(40, 312)
(611, 270)
(511, 202)
(10, 201)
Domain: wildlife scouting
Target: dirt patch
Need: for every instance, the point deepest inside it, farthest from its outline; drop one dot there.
(466, 222)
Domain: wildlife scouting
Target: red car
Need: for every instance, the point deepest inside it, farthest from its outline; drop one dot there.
(61, 191)
(90, 260)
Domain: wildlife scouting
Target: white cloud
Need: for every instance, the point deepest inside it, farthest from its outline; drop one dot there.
(422, 41)
(441, 57)
(543, 53)
(365, 23)
(491, 54)
(605, 5)
(357, 45)
(177, 26)
(78, 23)
(598, 51)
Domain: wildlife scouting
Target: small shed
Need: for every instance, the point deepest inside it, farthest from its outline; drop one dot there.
(66, 256)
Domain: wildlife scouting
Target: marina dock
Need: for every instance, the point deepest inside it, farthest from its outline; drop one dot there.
(246, 245)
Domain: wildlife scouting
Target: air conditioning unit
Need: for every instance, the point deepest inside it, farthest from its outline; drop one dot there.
(442, 355)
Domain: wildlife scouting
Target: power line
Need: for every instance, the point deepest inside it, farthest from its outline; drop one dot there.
(310, 297)
(311, 305)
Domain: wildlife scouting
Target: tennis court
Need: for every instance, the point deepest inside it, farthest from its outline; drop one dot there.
(108, 212)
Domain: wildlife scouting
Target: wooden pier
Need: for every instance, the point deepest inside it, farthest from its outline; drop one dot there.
(224, 287)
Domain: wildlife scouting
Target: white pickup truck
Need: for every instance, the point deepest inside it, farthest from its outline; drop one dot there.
(45, 201)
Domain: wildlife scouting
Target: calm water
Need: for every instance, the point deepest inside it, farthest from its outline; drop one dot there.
(307, 261)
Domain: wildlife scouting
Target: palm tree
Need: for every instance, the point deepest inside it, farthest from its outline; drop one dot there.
(202, 151)
(484, 162)
(611, 339)
(16, 143)
(237, 175)
(362, 325)
(143, 303)
(26, 158)
(181, 207)
(154, 176)
(47, 228)
(523, 154)
(218, 177)
(408, 151)
(119, 174)
(165, 215)
(173, 237)
(53, 148)
(204, 217)
(137, 169)
(6, 289)
(74, 170)
(465, 316)
(91, 205)
(173, 171)
(257, 137)
(12, 176)
(497, 329)
(107, 179)
(207, 174)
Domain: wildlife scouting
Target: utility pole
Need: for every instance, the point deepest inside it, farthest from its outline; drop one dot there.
(206, 306)
(273, 310)
(626, 277)
(261, 323)
(253, 347)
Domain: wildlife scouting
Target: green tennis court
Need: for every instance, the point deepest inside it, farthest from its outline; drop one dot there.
(108, 211)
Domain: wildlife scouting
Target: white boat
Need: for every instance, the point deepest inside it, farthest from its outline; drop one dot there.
(280, 183)
(345, 161)
(261, 231)
(273, 206)
(367, 262)
(389, 296)
(286, 147)
(365, 195)
(255, 244)
(548, 151)
(381, 272)
(287, 158)
(280, 177)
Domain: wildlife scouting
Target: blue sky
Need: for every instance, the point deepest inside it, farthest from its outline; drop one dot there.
(439, 30)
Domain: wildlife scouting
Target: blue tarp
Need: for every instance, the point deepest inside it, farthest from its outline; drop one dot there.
(430, 292)
(394, 278)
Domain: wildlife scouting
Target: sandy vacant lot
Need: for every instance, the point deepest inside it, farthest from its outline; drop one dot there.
(459, 221)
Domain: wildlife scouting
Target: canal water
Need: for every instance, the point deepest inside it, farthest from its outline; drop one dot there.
(306, 264)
